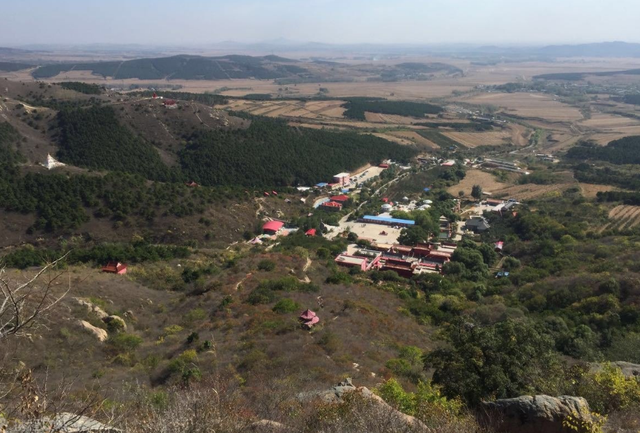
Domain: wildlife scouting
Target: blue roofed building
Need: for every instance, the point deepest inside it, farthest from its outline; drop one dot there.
(387, 221)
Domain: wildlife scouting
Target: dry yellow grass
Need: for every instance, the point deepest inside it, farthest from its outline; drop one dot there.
(475, 139)
(414, 137)
(590, 190)
(486, 180)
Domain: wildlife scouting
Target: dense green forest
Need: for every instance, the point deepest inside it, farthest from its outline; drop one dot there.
(87, 89)
(622, 151)
(65, 202)
(180, 67)
(270, 152)
(632, 99)
(608, 176)
(356, 108)
(94, 138)
(12, 67)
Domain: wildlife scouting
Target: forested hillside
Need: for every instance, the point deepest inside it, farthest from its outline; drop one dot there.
(356, 108)
(272, 153)
(180, 67)
(623, 151)
(93, 138)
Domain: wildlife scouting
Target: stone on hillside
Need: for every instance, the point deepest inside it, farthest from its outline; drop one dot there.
(63, 423)
(92, 308)
(628, 369)
(99, 333)
(338, 392)
(268, 426)
(537, 414)
(115, 323)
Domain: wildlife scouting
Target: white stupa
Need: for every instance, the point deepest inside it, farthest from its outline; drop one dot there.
(52, 163)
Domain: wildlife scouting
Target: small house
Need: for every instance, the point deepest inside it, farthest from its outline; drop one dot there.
(477, 224)
(310, 232)
(115, 268)
(272, 227)
(331, 206)
(498, 246)
(342, 198)
(308, 319)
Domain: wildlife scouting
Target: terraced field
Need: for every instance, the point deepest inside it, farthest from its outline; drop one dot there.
(623, 217)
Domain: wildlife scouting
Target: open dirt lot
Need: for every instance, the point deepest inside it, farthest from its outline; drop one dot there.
(372, 232)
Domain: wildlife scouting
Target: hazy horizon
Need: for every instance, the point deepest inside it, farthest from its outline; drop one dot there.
(200, 22)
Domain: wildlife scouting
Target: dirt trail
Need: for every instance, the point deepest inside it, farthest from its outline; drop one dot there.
(242, 281)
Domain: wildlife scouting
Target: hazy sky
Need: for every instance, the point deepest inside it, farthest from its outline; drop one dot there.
(337, 21)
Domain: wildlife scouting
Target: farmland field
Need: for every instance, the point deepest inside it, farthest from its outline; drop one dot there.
(623, 217)
(475, 139)
(527, 105)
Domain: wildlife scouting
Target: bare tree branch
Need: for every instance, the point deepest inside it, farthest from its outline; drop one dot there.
(21, 305)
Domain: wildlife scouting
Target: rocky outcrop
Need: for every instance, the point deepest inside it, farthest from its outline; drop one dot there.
(628, 369)
(91, 308)
(537, 414)
(63, 422)
(99, 333)
(267, 426)
(338, 393)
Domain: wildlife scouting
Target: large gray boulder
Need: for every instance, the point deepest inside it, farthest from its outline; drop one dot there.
(63, 423)
(628, 369)
(537, 414)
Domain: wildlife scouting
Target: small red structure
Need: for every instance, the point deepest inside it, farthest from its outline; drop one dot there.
(385, 199)
(272, 227)
(342, 198)
(170, 103)
(383, 165)
(274, 193)
(266, 194)
(192, 184)
(331, 206)
(115, 268)
(154, 95)
(310, 232)
(308, 319)
(498, 246)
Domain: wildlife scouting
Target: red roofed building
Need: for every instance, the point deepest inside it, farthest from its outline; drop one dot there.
(192, 184)
(310, 232)
(308, 318)
(383, 165)
(342, 198)
(115, 268)
(331, 206)
(170, 103)
(272, 227)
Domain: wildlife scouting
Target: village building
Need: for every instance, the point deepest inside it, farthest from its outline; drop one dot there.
(331, 206)
(272, 227)
(342, 179)
(372, 219)
(310, 232)
(115, 268)
(308, 319)
(477, 224)
(342, 199)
